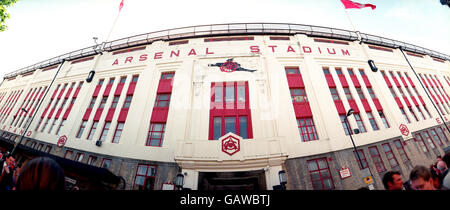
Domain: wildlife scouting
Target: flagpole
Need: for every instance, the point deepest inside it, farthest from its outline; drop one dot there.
(114, 24)
(350, 20)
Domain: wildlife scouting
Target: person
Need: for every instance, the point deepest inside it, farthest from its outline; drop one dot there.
(446, 179)
(16, 175)
(6, 176)
(41, 173)
(437, 178)
(392, 180)
(421, 179)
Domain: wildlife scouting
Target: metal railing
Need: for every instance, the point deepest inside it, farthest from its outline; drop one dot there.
(229, 29)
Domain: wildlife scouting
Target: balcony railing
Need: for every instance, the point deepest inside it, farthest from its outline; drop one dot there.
(229, 29)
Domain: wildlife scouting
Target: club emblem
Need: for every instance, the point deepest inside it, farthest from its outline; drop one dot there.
(230, 145)
(404, 130)
(230, 66)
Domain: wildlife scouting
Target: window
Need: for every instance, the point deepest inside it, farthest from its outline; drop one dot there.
(372, 121)
(168, 75)
(348, 94)
(33, 144)
(413, 114)
(123, 79)
(103, 102)
(360, 123)
(430, 142)
(162, 100)
(241, 93)
(100, 83)
(422, 145)
(334, 94)
(371, 93)
(320, 174)
(229, 93)
(404, 116)
(390, 155)
(361, 71)
(111, 81)
(420, 112)
(401, 150)
(60, 126)
(93, 128)
(82, 126)
(426, 109)
(393, 92)
(79, 157)
(338, 71)
(363, 163)
(441, 131)
(114, 102)
(127, 102)
(47, 149)
(307, 129)
(292, 70)
(218, 93)
(346, 125)
(377, 159)
(91, 160)
(145, 177)
(40, 147)
(326, 70)
(243, 127)
(156, 134)
(360, 93)
(298, 95)
(45, 125)
(105, 131)
(436, 137)
(63, 103)
(106, 163)
(68, 154)
(118, 132)
(401, 92)
(91, 105)
(230, 125)
(350, 72)
(217, 127)
(135, 78)
(39, 124)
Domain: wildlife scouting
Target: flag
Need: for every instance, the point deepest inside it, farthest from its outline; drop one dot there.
(121, 5)
(354, 5)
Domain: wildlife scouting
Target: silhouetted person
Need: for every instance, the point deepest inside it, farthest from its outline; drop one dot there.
(7, 171)
(41, 173)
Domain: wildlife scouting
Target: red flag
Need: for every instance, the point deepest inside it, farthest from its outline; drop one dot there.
(121, 5)
(353, 5)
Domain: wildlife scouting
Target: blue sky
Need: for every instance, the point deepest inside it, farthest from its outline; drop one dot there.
(43, 29)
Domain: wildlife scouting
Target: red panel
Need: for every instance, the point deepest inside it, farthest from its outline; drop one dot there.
(410, 82)
(343, 81)
(87, 113)
(355, 81)
(61, 93)
(119, 89)
(330, 81)
(353, 105)
(58, 113)
(51, 113)
(387, 81)
(414, 100)
(340, 107)
(421, 100)
(97, 89)
(406, 101)
(399, 103)
(404, 82)
(434, 81)
(164, 86)
(110, 115)
(76, 92)
(66, 114)
(429, 82)
(131, 88)
(396, 81)
(68, 93)
(45, 111)
(123, 115)
(54, 93)
(423, 81)
(434, 98)
(366, 105)
(159, 115)
(98, 114)
(32, 111)
(302, 110)
(440, 99)
(377, 104)
(440, 83)
(107, 90)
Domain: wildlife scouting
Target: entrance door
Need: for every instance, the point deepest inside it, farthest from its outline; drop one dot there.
(248, 180)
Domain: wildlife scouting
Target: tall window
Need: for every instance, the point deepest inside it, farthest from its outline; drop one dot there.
(68, 154)
(118, 132)
(81, 129)
(442, 133)
(436, 137)
(162, 100)
(114, 102)
(428, 112)
(105, 131)
(320, 174)
(145, 177)
(346, 125)
(413, 114)
(79, 157)
(127, 102)
(45, 125)
(360, 93)
(93, 128)
(60, 126)
(377, 159)
(106, 163)
(334, 94)
(307, 129)
(404, 116)
(298, 95)
(156, 134)
(360, 123)
(91, 105)
(92, 159)
(51, 127)
(422, 145)
(348, 94)
(390, 155)
(371, 93)
(401, 150)
(363, 163)
(103, 102)
(428, 139)
(420, 112)
(372, 121)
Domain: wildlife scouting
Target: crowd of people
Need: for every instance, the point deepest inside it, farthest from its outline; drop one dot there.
(434, 177)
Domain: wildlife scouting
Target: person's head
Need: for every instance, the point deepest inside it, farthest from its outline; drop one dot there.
(9, 159)
(420, 178)
(435, 177)
(446, 159)
(439, 158)
(392, 180)
(441, 166)
(41, 173)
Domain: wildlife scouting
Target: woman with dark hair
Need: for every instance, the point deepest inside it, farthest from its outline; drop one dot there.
(41, 173)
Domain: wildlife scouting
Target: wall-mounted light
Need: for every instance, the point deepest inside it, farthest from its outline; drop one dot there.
(372, 65)
(90, 76)
(180, 181)
(283, 179)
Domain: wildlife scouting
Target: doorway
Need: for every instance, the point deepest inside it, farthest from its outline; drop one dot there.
(247, 180)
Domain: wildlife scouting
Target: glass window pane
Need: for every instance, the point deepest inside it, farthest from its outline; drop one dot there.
(230, 124)
(217, 127)
(241, 93)
(243, 126)
(229, 93)
(142, 170)
(312, 165)
(218, 94)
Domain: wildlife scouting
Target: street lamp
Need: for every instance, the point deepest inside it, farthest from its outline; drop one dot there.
(350, 112)
(283, 179)
(180, 181)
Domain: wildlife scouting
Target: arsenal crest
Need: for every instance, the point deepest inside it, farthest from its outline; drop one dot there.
(230, 66)
(231, 145)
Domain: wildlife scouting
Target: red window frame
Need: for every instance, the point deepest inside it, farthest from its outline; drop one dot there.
(421, 142)
(127, 102)
(429, 140)
(162, 102)
(314, 167)
(348, 94)
(115, 102)
(167, 75)
(307, 129)
(390, 155)
(383, 119)
(298, 95)
(436, 135)
(118, 132)
(401, 150)
(154, 138)
(376, 157)
(442, 132)
(363, 158)
(334, 94)
(146, 176)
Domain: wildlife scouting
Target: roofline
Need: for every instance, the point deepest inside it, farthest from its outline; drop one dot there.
(228, 29)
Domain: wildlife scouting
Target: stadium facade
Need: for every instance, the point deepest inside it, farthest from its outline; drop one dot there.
(230, 106)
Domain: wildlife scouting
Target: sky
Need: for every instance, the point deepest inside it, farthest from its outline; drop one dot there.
(43, 29)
